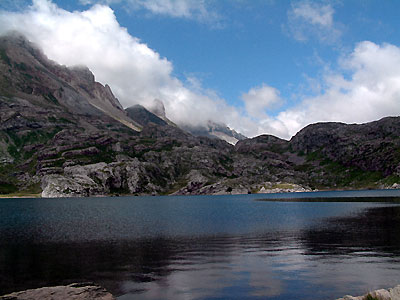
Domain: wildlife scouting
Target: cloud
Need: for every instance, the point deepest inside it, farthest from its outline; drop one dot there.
(313, 13)
(136, 73)
(372, 90)
(187, 9)
(310, 19)
(365, 87)
(257, 100)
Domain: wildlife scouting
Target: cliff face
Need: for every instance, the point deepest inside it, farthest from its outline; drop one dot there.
(26, 73)
(64, 134)
(215, 130)
(369, 147)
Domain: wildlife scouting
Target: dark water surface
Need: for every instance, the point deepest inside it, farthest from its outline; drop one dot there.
(204, 247)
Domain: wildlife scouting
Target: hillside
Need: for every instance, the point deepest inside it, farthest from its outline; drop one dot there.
(64, 134)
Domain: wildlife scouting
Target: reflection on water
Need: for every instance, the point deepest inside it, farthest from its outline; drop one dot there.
(252, 250)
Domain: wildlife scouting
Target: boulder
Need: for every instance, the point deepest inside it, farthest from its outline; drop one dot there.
(382, 294)
(75, 291)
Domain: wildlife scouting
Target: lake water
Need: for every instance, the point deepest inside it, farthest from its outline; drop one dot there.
(204, 247)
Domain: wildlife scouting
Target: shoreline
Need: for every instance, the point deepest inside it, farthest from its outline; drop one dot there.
(313, 199)
(381, 294)
(91, 290)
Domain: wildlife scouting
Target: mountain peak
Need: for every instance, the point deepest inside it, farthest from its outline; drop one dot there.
(157, 107)
(26, 72)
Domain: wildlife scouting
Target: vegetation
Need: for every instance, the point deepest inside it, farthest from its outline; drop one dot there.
(7, 188)
(282, 186)
(4, 57)
(370, 297)
(50, 97)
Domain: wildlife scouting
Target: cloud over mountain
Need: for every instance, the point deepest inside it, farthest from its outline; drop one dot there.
(259, 99)
(187, 9)
(365, 87)
(370, 92)
(136, 73)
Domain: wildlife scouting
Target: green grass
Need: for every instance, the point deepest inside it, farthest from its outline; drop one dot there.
(179, 184)
(22, 66)
(32, 137)
(13, 151)
(32, 191)
(60, 120)
(370, 297)
(4, 57)
(7, 188)
(146, 141)
(304, 168)
(316, 155)
(50, 97)
(342, 176)
(390, 180)
(282, 186)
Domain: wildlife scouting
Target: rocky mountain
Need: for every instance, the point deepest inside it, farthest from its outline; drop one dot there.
(215, 131)
(28, 73)
(64, 134)
(144, 117)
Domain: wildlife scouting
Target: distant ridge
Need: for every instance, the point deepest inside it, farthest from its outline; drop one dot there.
(63, 134)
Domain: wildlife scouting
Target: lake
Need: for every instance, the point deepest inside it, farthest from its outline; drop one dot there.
(205, 247)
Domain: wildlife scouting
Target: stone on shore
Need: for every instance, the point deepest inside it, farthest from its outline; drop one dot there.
(382, 294)
(75, 291)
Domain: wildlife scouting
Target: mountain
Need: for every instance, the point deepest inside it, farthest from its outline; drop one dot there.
(27, 72)
(144, 117)
(64, 134)
(155, 113)
(215, 130)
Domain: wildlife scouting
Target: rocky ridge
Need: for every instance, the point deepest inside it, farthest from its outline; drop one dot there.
(382, 294)
(62, 134)
(215, 130)
(75, 291)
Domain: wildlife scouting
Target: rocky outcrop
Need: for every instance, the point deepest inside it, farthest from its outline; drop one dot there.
(382, 294)
(64, 134)
(279, 187)
(215, 130)
(26, 72)
(128, 177)
(144, 117)
(75, 291)
(369, 147)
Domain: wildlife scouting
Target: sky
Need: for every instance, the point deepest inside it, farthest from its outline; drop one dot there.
(259, 66)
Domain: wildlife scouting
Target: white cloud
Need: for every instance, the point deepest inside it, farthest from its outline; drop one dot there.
(308, 19)
(136, 73)
(188, 9)
(257, 100)
(371, 92)
(313, 13)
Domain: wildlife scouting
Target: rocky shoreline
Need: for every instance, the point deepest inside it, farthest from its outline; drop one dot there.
(382, 294)
(86, 291)
(75, 291)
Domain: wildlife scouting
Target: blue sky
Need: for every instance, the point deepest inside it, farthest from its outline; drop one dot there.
(259, 66)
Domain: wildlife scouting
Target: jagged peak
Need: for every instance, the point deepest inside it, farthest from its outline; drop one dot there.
(157, 107)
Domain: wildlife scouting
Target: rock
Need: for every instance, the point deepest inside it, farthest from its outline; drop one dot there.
(215, 131)
(382, 294)
(75, 291)
(142, 116)
(80, 152)
(61, 186)
(279, 187)
(61, 127)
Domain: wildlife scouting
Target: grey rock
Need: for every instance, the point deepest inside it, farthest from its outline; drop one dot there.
(382, 294)
(79, 152)
(76, 291)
